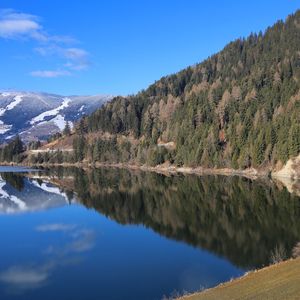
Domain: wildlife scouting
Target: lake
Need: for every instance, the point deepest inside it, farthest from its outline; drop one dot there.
(118, 234)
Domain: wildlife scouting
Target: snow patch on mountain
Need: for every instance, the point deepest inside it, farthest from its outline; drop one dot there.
(10, 137)
(12, 105)
(4, 128)
(52, 112)
(18, 99)
(59, 121)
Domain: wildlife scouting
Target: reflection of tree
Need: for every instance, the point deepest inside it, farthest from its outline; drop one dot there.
(234, 217)
(14, 179)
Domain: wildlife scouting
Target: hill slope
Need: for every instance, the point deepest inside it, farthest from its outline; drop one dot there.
(240, 108)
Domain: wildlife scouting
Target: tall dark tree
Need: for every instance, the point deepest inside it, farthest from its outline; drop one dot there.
(67, 129)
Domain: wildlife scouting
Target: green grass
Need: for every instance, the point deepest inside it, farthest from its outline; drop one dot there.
(281, 281)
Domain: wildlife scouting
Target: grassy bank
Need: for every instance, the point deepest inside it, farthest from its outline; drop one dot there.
(280, 281)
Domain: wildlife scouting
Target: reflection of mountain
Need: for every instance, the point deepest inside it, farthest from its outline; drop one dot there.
(20, 194)
(240, 219)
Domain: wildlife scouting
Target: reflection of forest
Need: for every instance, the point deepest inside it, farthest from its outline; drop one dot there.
(237, 218)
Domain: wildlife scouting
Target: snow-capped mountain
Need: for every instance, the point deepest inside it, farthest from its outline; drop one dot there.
(39, 115)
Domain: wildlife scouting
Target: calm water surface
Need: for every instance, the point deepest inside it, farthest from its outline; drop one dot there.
(115, 234)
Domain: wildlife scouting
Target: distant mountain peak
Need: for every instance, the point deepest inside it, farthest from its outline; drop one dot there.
(35, 115)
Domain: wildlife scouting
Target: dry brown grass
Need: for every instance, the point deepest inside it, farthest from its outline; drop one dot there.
(281, 281)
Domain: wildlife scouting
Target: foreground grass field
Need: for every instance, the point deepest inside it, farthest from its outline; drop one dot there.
(281, 281)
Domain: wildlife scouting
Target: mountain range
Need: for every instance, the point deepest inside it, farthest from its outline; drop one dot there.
(38, 115)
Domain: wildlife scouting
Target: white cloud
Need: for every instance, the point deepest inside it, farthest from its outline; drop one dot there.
(14, 25)
(21, 26)
(17, 25)
(50, 73)
(77, 66)
(12, 28)
(78, 59)
(75, 53)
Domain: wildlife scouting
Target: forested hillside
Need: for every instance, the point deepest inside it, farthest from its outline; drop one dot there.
(239, 108)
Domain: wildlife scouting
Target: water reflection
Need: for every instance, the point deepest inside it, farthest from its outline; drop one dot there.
(233, 224)
(240, 219)
(21, 278)
(21, 194)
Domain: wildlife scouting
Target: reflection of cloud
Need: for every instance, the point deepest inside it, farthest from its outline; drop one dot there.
(24, 278)
(55, 227)
(81, 239)
(21, 278)
(84, 241)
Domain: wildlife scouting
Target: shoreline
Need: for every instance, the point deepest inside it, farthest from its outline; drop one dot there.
(168, 170)
(161, 169)
(250, 173)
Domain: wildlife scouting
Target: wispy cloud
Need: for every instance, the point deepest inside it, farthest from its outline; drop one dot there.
(22, 26)
(75, 53)
(17, 25)
(77, 58)
(50, 73)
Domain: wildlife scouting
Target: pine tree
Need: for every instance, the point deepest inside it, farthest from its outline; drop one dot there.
(294, 140)
(67, 129)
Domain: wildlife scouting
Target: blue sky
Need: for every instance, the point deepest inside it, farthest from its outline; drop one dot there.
(118, 47)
